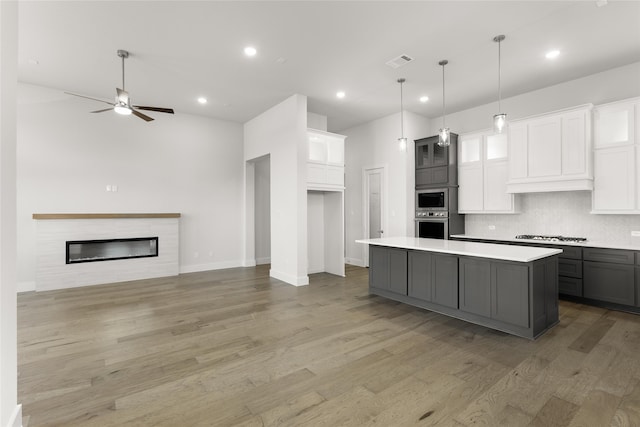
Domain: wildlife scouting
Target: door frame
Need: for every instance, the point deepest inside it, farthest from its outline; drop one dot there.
(366, 170)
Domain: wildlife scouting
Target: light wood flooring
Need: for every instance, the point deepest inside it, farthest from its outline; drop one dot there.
(235, 347)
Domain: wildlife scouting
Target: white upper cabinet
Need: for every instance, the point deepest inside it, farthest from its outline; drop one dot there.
(325, 160)
(617, 158)
(482, 174)
(615, 124)
(551, 152)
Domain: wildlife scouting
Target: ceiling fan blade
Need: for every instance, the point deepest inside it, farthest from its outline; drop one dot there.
(142, 116)
(102, 111)
(158, 109)
(88, 97)
(123, 95)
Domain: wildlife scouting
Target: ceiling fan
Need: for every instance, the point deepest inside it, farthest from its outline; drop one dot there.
(122, 104)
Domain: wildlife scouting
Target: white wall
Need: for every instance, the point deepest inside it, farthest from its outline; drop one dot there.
(376, 144)
(10, 411)
(281, 132)
(317, 121)
(263, 210)
(564, 213)
(176, 163)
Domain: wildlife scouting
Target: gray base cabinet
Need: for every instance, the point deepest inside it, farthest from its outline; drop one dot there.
(609, 282)
(609, 275)
(388, 269)
(510, 293)
(597, 276)
(433, 278)
(475, 286)
(514, 297)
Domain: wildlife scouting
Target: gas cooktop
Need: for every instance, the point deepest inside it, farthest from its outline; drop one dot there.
(551, 238)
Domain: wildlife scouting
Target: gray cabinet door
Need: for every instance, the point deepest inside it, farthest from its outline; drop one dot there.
(398, 271)
(609, 282)
(388, 269)
(510, 293)
(475, 286)
(378, 267)
(420, 275)
(445, 280)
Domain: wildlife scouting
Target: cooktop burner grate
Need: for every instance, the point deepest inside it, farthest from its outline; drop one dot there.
(551, 238)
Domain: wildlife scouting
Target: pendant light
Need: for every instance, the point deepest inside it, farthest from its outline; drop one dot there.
(402, 141)
(500, 119)
(444, 136)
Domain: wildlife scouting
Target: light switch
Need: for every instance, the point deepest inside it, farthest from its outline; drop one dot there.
(108, 188)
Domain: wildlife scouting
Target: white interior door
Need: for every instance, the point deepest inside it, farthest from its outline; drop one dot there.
(374, 184)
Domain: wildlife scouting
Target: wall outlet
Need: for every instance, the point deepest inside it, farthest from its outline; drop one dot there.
(492, 227)
(108, 188)
(635, 233)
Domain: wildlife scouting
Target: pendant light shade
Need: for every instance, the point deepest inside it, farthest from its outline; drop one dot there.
(500, 119)
(444, 134)
(402, 141)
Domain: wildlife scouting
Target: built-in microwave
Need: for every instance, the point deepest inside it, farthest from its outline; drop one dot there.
(432, 200)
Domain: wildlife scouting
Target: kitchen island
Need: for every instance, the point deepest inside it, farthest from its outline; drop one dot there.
(513, 289)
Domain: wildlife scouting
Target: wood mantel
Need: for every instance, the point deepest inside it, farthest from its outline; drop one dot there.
(103, 215)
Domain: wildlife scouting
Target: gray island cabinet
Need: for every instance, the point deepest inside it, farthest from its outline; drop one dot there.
(513, 289)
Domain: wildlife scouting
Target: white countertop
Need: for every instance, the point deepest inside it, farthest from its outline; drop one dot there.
(587, 244)
(482, 250)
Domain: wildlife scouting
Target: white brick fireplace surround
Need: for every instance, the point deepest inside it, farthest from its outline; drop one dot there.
(54, 230)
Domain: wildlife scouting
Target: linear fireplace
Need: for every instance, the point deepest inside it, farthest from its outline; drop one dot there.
(104, 250)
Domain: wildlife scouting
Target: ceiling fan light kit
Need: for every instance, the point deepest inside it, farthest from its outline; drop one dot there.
(122, 104)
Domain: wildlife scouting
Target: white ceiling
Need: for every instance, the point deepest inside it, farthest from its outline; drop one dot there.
(182, 50)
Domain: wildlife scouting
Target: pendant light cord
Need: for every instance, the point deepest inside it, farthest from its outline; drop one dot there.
(443, 63)
(499, 78)
(123, 73)
(401, 110)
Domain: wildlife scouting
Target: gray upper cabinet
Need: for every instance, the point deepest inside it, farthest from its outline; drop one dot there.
(435, 165)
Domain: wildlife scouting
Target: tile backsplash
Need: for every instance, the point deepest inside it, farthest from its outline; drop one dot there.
(563, 213)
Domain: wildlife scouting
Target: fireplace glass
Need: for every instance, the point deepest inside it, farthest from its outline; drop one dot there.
(105, 250)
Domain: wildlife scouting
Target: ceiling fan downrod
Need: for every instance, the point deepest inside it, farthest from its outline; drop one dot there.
(123, 54)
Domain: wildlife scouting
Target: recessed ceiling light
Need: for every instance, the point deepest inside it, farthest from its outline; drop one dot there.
(202, 100)
(552, 54)
(424, 99)
(250, 51)
(341, 94)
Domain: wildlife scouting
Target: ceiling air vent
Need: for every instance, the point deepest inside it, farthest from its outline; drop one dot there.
(399, 61)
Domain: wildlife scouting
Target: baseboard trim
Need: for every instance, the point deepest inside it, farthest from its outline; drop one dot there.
(354, 261)
(16, 417)
(211, 266)
(27, 286)
(265, 260)
(288, 278)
